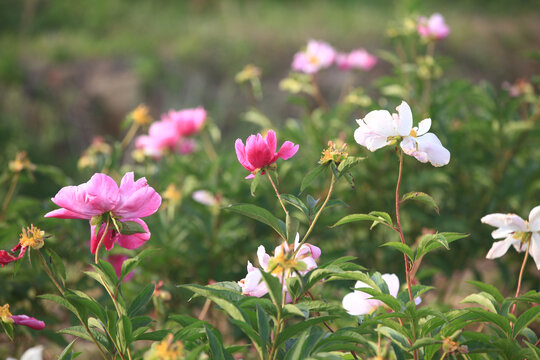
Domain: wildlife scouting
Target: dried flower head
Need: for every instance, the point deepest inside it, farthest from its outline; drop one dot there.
(141, 115)
(32, 237)
(21, 163)
(333, 153)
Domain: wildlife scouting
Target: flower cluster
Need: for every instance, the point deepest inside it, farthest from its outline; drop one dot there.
(379, 128)
(285, 263)
(107, 206)
(319, 55)
(171, 133)
(260, 152)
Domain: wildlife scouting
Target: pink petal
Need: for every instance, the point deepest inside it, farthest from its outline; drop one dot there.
(108, 241)
(241, 155)
(287, 150)
(271, 141)
(65, 214)
(117, 261)
(257, 152)
(133, 241)
(137, 199)
(28, 321)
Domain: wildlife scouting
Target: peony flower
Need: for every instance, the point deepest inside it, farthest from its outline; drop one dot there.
(516, 232)
(361, 303)
(30, 237)
(260, 151)
(282, 265)
(187, 121)
(434, 27)
(7, 317)
(33, 353)
(162, 136)
(101, 201)
(318, 55)
(379, 129)
(356, 59)
(116, 261)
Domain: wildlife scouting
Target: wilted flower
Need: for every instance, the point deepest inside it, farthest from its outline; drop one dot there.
(333, 153)
(356, 59)
(159, 292)
(7, 317)
(361, 303)
(167, 349)
(141, 115)
(187, 121)
(97, 148)
(248, 73)
(260, 151)
(21, 162)
(30, 237)
(516, 232)
(318, 55)
(283, 265)
(116, 261)
(101, 201)
(434, 27)
(379, 129)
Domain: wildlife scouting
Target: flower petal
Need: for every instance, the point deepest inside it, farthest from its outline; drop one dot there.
(263, 257)
(392, 281)
(241, 155)
(137, 199)
(65, 214)
(534, 219)
(25, 320)
(403, 123)
(512, 222)
(535, 249)
(356, 303)
(287, 150)
(430, 144)
(108, 241)
(271, 141)
(253, 285)
(499, 248)
(423, 127)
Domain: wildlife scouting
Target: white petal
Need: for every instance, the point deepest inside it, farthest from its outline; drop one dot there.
(535, 249)
(408, 145)
(381, 122)
(392, 281)
(430, 144)
(423, 127)
(501, 233)
(404, 122)
(499, 248)
(534, 219)
(34, 353)
(367, 138)
(519, 246)
(511, 222)
(296, 241)
(356, 303)
(263, 257)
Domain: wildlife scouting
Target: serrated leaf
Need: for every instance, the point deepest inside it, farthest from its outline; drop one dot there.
(311, 176)
(348, 163)
(259, 214)
(396, 337)
(421, 197)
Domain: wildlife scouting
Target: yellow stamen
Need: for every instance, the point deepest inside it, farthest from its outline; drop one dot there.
(33, 237)
(283, 262)
(413, 133)
(5, 315)
(141, 115)
(332, 153)
(167, 350)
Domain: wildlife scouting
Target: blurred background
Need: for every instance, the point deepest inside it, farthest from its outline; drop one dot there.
(72, 70)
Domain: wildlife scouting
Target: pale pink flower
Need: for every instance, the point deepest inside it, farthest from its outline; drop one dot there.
(260, 151)
(516, 232)
(379, 128)
(361, 303)
(434, 27)
(253, 285)
(116, 261)
(318, 55)
(162, 135)
(356, 59)
(186, 146)
(205, 197)
(101, 195)
(187, 121)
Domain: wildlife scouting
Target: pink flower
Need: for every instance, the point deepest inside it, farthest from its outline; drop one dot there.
(162, 135)
(6, 257)
(187, 121)
(28, 321)
(434, 27)
(253, 285)
(186, 146)
(101, 197)
(260, 151)
(318, 55)
(356, 59)
(117, 261)
(361, 303)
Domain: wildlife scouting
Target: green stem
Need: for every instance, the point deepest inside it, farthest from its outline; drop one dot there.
(129, 136)
(96, 258)
(277, 193)
(10, 192)
(311, 226)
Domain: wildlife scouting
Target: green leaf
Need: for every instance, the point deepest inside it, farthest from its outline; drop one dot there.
(490, 317)
(298, 328)
(222, 298)
(348, 163)
(80, 332)
(424, 342)
(483, 299)
(67, 354)
(252, 334)
(275, 289)
(291, 225)
(296, 202)
(361, 217)
(294, 286)
(526, 319)
(259, 214)
(141, 300)
(131, 227)
(263, 323)
(130, 264)
(58, 265)
(490, 289)
(397, 338)
(293, 309)
(157, 335)
(60, 301)
(384, 215)
(255, 182)
(217, 351)
(421, 197)
(311, 176)
(405, 249)
(8, 329)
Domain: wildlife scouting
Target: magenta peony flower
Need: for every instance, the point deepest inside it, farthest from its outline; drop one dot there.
(117, 261)
(318, 55)
(162, 136)
(434, 27)
(5, 316)
(102, 196)
(260, 151)
(356, 59)
(187, 121)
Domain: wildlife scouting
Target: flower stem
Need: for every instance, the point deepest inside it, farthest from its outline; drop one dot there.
(9, 194)
(277, 193)
(129, 136)
(330, 190)
(521, 275)
(400, 231)
(96, 259)
(317, 95)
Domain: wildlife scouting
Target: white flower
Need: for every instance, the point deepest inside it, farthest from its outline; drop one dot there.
(33, 353)
(361, 303)
(516, 232)
(379, 129)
